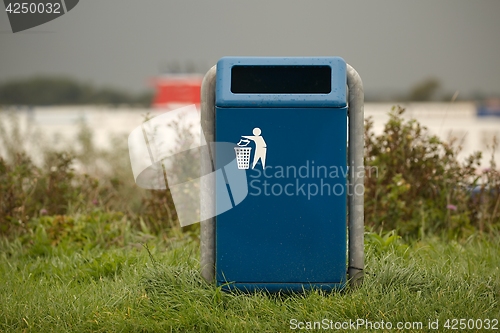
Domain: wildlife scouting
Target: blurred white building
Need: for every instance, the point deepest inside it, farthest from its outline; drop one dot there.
(58, 126)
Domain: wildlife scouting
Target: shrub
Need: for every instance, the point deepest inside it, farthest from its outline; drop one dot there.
(29, 191)
(80, 179)
(421, 187)
(14, 181)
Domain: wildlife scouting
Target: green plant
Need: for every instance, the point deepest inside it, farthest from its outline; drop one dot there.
(421, 187)
(486, 197)
(55, 188)
(381, 243)
(77, 180)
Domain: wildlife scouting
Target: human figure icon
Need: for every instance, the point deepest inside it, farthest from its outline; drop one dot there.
(260, 147)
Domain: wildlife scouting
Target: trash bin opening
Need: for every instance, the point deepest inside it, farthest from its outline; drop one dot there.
(281, 79)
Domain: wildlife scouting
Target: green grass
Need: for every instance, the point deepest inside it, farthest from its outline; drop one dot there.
(125, 288)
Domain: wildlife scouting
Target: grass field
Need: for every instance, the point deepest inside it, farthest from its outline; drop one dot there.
(147, 283)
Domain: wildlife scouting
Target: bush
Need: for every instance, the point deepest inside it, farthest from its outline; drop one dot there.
(29, 191)
(78, 180)
(421, 187)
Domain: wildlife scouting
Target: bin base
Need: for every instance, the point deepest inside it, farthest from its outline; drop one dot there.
(281, 287)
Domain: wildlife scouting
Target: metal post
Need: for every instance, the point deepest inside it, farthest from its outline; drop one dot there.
(207, 230)
(356, 176)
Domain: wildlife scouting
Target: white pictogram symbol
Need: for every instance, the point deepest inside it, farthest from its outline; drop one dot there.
(243, 152)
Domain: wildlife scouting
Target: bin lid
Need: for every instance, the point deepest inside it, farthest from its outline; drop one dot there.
(281, 82)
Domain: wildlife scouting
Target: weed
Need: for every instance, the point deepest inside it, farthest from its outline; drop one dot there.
(421, 187)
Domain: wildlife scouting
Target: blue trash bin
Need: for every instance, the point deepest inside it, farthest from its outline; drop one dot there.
(287, 118)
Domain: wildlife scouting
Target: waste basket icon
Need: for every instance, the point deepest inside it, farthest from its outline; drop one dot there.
(243, 157)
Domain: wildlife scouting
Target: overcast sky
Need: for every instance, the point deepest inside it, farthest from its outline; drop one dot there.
(393, 44)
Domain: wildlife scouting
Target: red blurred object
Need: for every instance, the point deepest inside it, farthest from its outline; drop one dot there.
(177, 89)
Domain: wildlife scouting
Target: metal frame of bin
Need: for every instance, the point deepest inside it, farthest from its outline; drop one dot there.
(356, 177)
